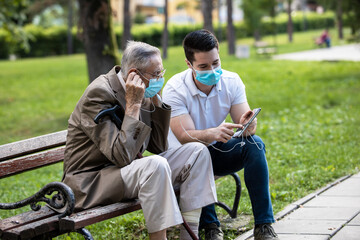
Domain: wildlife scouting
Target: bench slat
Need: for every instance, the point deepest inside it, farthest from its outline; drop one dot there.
(34, 229)
(25, 218)
(22, 164)
(98, 214)
(31, 145)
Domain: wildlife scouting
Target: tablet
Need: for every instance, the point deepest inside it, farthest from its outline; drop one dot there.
(239, 131)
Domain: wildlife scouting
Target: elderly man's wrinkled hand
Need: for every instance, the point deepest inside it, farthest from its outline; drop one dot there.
(135, 89)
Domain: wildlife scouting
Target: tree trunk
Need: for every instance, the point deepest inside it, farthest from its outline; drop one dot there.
(273, 23)
(290, 24)
(126, 36)
(339, 19)
(219, 36)
(257, 35)
(70, 25)
(165, 36)
(206, 8)
(97, 34)
(230, 29)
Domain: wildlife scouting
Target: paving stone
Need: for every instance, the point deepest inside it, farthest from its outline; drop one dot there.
(345, 188)
(356, 175)
(302, 237)
(348, 233)
(334, 201)
(289, 226)
(295, 237)
(323, 213)
(355, 221)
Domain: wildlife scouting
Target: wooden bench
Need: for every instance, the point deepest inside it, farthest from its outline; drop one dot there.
(57, 216)
(263, 48)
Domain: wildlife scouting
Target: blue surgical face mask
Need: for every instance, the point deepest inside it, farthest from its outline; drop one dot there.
(209, 77)
(154, 87)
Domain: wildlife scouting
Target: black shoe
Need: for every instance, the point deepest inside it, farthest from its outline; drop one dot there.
(264, 232)
(213, 232)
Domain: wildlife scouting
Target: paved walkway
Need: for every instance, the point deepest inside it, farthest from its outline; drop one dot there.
(349, 52)
(333, 213)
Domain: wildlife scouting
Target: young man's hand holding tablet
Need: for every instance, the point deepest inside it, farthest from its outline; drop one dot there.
(239, 131)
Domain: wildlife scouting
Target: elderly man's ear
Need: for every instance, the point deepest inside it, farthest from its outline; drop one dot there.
(132, 70)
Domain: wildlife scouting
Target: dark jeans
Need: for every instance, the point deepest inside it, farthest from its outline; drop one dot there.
(256, 176)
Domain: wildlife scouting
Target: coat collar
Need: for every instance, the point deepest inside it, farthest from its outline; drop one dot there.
(114, 82)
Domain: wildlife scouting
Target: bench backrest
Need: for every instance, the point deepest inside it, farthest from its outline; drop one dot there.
(21, 156)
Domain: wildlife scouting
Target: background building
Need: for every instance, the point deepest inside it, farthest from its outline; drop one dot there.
(179, 11)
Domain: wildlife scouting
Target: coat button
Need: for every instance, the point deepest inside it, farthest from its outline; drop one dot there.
(136, 133)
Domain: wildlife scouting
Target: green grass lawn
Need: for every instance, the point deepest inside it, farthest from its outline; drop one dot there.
(309, 122)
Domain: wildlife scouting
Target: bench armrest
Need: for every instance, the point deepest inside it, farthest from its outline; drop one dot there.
(62, 202)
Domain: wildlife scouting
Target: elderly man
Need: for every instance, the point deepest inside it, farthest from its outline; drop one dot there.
(100, 162)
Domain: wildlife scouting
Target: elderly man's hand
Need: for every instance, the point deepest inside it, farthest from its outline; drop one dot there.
(134, 95)
(135, 89)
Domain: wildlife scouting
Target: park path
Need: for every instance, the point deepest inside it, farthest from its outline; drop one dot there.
(332, 212)
(349, 52)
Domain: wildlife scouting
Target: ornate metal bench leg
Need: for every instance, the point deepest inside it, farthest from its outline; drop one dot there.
(86, 233)
(233, 212)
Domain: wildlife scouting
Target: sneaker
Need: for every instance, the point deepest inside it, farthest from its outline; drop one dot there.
(265, 232)
(213, 232)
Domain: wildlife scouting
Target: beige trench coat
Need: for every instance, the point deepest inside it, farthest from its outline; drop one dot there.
(95, 153)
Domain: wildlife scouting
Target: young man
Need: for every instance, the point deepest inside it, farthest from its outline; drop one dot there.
(101, 165)
(201, 97)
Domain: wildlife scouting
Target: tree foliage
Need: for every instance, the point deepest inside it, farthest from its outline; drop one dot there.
(254, 10)
(12, 19)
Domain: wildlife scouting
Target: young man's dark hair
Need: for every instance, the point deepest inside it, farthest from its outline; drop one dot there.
(199, 41)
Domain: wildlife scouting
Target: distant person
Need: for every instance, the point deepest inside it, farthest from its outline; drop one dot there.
(101, 164)
(201, 98)
(324, 38)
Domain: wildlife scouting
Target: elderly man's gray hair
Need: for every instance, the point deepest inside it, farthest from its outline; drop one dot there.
(137, 55)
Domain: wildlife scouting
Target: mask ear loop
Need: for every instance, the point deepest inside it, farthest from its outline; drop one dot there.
(153, 105)
(211, 145)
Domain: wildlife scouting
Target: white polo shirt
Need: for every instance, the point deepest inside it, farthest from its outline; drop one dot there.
(207, 111)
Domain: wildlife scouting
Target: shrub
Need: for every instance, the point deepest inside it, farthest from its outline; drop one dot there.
(53, 41)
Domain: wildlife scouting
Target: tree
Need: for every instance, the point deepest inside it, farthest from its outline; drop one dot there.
(38, 7)
(12, 19)
(253, 12)
(206, 8)
(290, 23)
(96, 30)
(127, 25)
(70, 25)
(230, 29)
(339, 19)
(349, 8)
(165, 36)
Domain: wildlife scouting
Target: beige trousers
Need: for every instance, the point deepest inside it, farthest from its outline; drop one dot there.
(152, 179)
